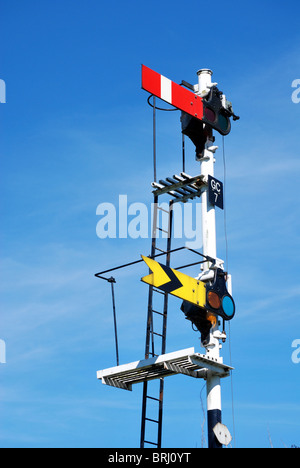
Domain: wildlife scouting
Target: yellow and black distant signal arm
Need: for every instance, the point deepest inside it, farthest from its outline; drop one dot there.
(214, 297)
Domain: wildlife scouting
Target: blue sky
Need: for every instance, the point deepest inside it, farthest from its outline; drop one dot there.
(76, 131)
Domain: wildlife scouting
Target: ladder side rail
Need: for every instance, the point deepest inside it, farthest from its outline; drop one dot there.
(164, 333)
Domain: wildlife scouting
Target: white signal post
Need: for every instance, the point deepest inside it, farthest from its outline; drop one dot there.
(207, 160)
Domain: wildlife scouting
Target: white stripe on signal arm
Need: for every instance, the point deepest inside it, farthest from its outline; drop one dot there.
(166, 89)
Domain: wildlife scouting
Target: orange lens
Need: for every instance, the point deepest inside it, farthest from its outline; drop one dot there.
(213, 300)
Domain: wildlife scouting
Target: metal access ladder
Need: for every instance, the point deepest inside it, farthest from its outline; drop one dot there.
(181, 189)
(156, 334)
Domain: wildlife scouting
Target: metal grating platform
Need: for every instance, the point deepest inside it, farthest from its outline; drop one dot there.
(185, 362)
(182, 188)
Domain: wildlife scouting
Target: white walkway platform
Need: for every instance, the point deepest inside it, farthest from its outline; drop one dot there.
(185, 362)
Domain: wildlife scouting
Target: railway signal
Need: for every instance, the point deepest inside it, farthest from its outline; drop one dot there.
(205, 298)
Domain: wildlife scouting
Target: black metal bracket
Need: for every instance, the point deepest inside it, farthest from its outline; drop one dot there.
(206, 257)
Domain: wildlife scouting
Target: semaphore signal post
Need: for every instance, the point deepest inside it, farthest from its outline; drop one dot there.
(205, 300)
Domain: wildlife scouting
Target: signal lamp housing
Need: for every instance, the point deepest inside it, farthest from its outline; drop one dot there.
(214, 112)
(218, 299)
(216, 115)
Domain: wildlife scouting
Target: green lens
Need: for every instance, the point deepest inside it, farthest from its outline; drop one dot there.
(228, 306)
(223, 122)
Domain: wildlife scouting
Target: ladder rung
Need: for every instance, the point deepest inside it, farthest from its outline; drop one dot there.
(160, 292)
(162, 209)
(160, 250)
(152, 443)
(158, 334)
(159, 313)
(152, 420)
(152, 398)
(162, 230)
